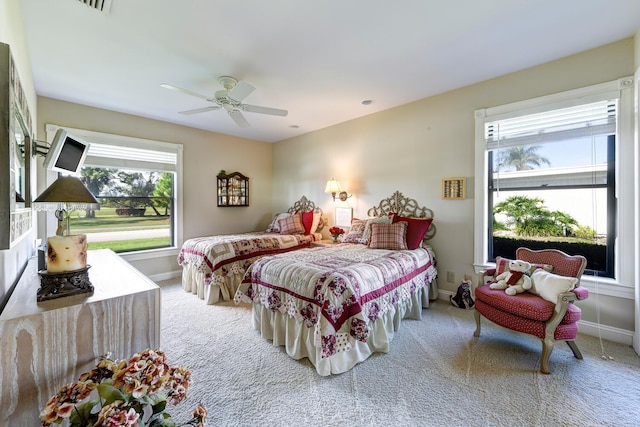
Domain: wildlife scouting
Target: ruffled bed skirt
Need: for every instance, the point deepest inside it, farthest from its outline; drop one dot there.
(298, 339)
(220, 289)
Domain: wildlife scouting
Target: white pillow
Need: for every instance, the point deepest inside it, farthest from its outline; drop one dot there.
(549, 285)
(316, 221)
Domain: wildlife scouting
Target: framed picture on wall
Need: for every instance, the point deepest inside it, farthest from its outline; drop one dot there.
(343, 217)
(454, 188)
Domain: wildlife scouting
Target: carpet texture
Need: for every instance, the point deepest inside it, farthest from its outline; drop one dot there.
(436, 374)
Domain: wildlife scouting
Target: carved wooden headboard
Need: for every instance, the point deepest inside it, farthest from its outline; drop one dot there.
(403, 206)
(305, 205)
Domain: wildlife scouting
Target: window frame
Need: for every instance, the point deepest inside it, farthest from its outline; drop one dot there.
(127, 141)
(624, 269)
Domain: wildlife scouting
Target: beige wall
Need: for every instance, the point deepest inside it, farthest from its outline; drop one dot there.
(412, 147)
(205, 154)
(13, 260)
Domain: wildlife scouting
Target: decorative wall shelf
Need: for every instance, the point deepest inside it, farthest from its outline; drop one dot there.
(233, 189)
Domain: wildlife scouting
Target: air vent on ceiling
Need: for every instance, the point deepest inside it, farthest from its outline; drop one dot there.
(103, 6)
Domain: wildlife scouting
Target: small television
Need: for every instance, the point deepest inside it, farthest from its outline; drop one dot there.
(66, 153)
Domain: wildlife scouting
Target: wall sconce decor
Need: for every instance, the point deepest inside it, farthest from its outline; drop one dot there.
(67, 269)
(454, 188)
(333, 187)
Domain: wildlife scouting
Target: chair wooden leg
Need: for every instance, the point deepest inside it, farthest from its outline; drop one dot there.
(547, 348)
(574, 347)
(477, 316)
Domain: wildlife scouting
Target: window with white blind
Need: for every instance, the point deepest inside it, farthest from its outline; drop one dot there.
(547, 173)
(136, 181)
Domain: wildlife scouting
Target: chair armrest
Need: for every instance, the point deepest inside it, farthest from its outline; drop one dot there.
(481, 277)
(581, 293)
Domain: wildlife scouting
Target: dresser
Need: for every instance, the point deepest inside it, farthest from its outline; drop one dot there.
(48, 344)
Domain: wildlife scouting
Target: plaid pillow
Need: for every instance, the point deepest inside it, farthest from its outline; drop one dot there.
(389, 236)
(274, 227)
(291, 225)
(355, 232)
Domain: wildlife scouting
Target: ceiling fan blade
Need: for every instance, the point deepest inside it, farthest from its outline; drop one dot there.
(241, 90)
(186, 91)
(237, 117)
(201, 110)
(264, 110)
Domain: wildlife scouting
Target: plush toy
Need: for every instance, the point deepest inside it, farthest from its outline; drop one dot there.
(515, 280)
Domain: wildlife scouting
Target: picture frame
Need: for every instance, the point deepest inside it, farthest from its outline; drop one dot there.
(343, 217)
(454, 188)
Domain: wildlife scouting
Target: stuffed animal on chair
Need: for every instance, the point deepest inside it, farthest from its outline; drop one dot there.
(515, 280)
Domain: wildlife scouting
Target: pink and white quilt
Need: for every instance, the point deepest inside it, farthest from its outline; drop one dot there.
(208, 261)
(338, 291)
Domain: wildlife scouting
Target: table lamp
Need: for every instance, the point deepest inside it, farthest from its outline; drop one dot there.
(67, 269)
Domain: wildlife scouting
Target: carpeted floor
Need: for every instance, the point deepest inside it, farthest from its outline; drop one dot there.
(436, 374)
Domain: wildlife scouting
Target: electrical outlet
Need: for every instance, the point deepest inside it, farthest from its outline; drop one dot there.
(468, 277)
(451, 277)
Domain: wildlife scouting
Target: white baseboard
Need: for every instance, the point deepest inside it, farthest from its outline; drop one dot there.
(166, 276)
(621, 336)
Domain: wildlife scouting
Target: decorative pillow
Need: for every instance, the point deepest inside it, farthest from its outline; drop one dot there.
(366, 234)
(274, 227)
(307, 221)
(502, 265)
(389, 236)
(549, 285)
(355, 232)
(291, 225)
(416, 229)
(317, 216)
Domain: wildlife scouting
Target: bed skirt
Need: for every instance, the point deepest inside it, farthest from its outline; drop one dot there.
(298, 339)
(220, 289)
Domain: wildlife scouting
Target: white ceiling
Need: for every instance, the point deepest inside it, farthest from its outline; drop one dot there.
(317, 59)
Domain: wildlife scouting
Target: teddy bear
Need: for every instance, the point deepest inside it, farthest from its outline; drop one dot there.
(515, 280)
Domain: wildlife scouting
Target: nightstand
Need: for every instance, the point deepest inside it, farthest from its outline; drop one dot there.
(321, 243)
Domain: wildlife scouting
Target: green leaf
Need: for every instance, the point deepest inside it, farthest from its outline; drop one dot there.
(110, 393)
(159, 407)
(162, 422)
(81, 416)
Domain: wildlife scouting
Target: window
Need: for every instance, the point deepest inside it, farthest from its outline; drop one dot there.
(136, 182)
(550, 172)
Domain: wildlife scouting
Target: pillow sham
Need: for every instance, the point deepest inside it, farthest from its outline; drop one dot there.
(416, 229)
(549, 286)
(389, 236)
(307, 221)
(291, 225)
(355, 232)
(274, 227)
(366, 234)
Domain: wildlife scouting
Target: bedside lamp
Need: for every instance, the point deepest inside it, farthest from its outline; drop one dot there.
(66, 272)
(333, 187)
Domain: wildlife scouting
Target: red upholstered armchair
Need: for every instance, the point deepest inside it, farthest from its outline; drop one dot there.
(533, 311)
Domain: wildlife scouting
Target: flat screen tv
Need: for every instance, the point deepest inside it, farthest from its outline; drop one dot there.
(66, 153)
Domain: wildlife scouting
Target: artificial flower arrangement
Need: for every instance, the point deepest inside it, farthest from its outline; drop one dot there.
(336, 232)
(129, 393)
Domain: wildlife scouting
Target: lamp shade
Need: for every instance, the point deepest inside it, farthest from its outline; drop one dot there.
(68, 191)
(333, 186)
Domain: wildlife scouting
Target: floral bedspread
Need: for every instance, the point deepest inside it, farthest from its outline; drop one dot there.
(339, 291)
(213, 253)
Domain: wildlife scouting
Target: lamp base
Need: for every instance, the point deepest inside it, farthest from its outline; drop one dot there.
(58, 285)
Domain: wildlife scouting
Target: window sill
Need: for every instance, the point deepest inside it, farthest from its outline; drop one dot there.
(598, 286)
(149, 254)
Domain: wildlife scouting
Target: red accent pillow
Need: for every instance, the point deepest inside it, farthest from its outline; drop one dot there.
(416, 229)
(307, 221)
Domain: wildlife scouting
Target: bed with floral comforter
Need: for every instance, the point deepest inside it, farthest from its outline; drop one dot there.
(213, 267)
(337, 305)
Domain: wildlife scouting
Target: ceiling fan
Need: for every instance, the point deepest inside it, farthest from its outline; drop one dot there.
(230, 98)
